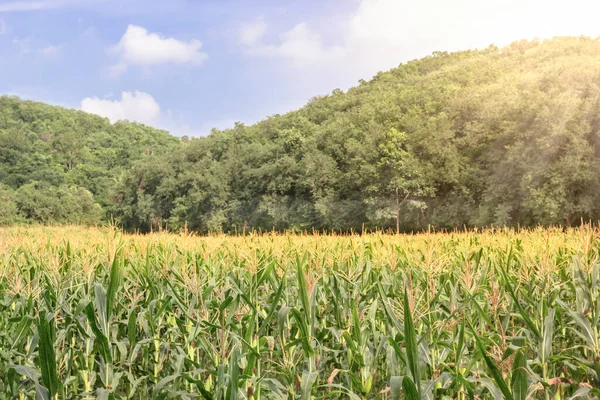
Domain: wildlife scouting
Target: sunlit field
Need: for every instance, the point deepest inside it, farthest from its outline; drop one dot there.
(94, 313)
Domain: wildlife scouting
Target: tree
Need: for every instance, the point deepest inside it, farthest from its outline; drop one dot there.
(492, 137)
(399, 172)
(9, 214)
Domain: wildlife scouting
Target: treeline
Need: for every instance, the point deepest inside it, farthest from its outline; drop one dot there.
(501, 136)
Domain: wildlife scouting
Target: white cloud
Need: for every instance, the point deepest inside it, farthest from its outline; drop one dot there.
(29, 46)
(299, 45)
(251, 33)
(372, 29)
(139, 47)
(51, 51)
(302, 45)
(378, 20)
(133, 106)
(379, 34)
(140, 107)
(3, 27)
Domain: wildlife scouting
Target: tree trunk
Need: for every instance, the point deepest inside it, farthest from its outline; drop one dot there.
(569, 220)
(397, 212)
(398, 205)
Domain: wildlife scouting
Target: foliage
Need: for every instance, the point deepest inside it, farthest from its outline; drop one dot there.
(62, 204)
(9, 213)
(500, 136)
(52, 158)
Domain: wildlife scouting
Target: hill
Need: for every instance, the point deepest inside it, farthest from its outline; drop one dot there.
(505, 136)
(58, 165)
(499, 136)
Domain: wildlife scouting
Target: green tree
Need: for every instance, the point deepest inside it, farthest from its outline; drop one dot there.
(9, 214)
(399, 172)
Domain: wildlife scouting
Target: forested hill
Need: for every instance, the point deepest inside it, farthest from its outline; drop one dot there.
(505, 136)
(498, 136)
(59, 165)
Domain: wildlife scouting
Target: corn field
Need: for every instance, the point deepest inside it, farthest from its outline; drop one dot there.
(93, 313)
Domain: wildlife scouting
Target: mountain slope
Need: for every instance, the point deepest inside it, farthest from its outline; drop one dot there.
(497, 136)
(501, 136)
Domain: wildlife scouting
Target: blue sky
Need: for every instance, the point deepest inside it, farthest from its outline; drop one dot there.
(188, 66)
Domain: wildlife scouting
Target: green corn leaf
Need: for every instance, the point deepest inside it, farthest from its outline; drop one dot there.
(409, 389)
(493, 388)
(100, 305)
(305, 338)
(356, 328)
(264, 274)
(47, 357)
(307, 383)
(468, 386)
(340, 390)
(116, 276)
(26, 371)
(100, 337)
(276, 299)
(524, 313)
(103, 394)
(228, 300)
(41, 393)
(132, 328)
(199, 385)
(303, 290)
(282, 317)
(546, 344)
(162, 383)
(388, 310)
(586, 331)
(460, 344)
(232, 391)
(410, 339)
(22, 331)
(396, 387)
(401, 355)
(519, 382)
(495, 372)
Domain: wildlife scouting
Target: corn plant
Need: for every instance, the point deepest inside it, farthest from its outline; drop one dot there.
(497, 314)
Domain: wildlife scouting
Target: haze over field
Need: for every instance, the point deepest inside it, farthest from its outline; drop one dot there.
(188, 66)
